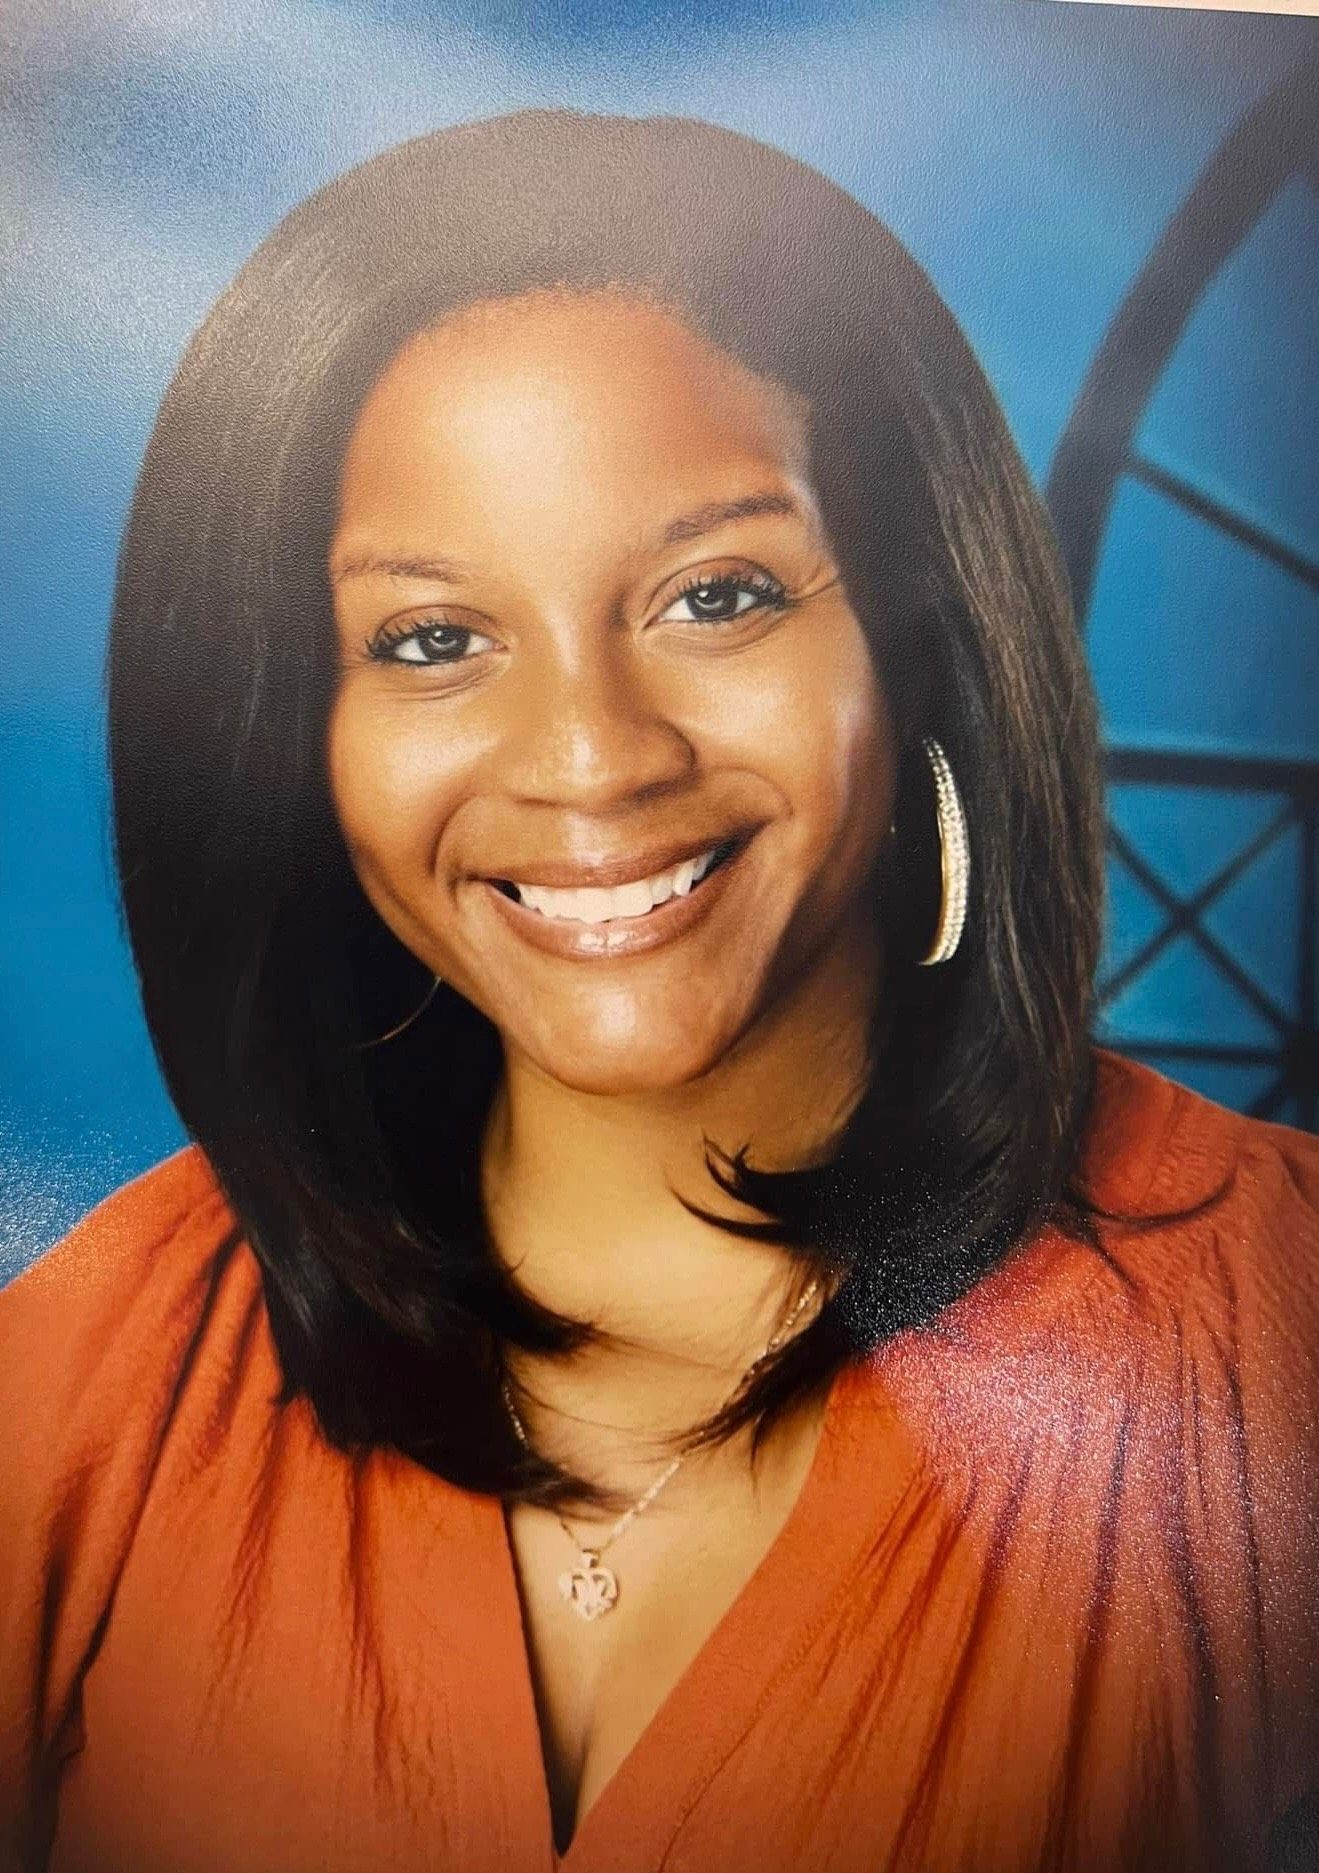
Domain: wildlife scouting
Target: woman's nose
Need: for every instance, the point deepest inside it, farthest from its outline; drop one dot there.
(593, 730)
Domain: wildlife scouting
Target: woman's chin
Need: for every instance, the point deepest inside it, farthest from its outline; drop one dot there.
(618, 1066)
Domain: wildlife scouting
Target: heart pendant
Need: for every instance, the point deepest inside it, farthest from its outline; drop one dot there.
(589, 1588)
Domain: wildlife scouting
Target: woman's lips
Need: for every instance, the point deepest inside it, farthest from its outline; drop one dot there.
(569, 875)
(619, 936)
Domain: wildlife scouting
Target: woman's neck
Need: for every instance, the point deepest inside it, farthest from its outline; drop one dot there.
(582, 1195)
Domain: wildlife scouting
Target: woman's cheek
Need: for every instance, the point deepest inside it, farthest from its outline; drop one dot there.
(820, 729)
(382, 776)
(353, 764)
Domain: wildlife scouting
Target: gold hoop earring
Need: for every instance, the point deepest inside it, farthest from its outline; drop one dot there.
(380, 1039)
(954, 858)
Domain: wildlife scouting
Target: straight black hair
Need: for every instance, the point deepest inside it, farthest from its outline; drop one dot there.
(352, 1171)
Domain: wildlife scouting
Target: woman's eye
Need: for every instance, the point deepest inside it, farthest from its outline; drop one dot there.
(429, 642)
(714, 601)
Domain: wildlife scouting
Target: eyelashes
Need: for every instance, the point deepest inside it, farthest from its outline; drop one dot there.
(428, 641)
(708, 592)
(712, 599)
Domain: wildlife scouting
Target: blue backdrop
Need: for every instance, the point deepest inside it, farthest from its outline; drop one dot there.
(1029, 154)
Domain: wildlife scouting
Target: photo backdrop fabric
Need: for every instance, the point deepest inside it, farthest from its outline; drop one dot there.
(1031, 156)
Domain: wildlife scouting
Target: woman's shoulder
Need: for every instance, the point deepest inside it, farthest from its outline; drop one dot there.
(1195, 1202)
(1180, 1295)
(131, 1337)
(149, 1247)
(1123, 1417)
(96, 1333)
(1148, 1134)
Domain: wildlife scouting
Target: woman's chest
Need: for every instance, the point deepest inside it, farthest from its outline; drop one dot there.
(302, 1669)
(362, 1672)
(610, 1635)
(910, 1735)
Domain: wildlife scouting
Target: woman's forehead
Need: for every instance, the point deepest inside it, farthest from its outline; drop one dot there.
(589, 400)
(606, 341)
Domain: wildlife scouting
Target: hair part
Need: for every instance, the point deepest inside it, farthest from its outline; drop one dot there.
(263, 966)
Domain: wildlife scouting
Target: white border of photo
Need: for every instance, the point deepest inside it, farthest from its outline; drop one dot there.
(1298, 9)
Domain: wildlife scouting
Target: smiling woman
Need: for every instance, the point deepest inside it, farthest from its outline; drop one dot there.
(561, 687)
(670, 1347)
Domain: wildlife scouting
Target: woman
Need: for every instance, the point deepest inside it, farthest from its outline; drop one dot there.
(669, 1347)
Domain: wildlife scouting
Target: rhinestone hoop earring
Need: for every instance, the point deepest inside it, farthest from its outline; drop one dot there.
(954, 858)
(380, 1039)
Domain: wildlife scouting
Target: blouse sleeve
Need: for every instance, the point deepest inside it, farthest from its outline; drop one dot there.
(94, 1340)
(1272, 1279)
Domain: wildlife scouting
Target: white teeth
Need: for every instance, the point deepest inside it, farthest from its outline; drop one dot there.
(635, 899)
(594, 904)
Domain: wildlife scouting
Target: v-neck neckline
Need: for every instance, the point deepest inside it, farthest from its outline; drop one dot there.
(715, 1698)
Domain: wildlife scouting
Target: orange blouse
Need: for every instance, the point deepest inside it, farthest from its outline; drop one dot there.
(1049, 1597)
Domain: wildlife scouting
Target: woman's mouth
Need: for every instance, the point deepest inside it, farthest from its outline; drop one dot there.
(612, 922)
(595, 904)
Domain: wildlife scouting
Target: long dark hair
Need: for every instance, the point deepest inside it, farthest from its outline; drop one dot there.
(353, 1171)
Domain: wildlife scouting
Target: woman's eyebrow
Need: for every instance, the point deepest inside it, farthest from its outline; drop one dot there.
(400, 566)
(714, 514)
(690, 526)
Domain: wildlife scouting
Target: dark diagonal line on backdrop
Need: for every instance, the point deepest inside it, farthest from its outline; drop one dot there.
(1173, 907)
(1225, 519)
(1183, 918)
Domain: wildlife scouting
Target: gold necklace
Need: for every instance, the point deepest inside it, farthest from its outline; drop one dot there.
(589, 1587)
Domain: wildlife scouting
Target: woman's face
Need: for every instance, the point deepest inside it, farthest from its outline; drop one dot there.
(608, 748)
